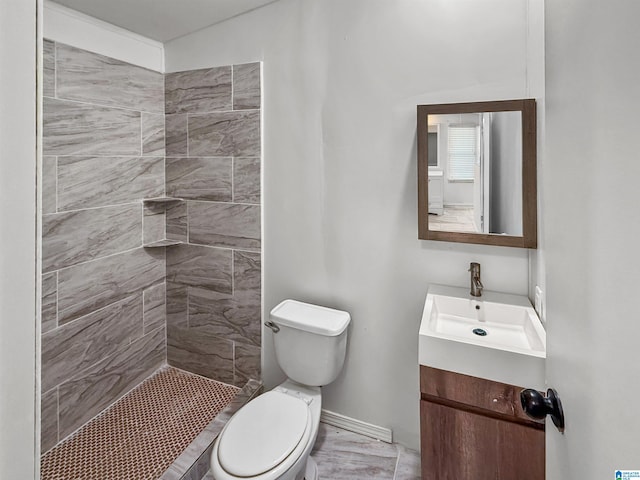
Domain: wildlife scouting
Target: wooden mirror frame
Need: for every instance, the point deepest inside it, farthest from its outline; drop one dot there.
(529, 238)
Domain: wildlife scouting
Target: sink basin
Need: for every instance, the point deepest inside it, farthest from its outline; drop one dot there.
(496, 336)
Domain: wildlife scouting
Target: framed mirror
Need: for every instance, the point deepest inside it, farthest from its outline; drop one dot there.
(477, 173)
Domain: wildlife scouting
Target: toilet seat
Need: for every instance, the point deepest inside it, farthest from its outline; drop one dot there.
(264, 438)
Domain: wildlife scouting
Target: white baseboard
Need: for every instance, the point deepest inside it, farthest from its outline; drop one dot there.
(356, 426)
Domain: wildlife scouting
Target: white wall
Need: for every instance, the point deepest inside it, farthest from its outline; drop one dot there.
(62, 24)
(592, 223)
(18, 266)
(341, 83)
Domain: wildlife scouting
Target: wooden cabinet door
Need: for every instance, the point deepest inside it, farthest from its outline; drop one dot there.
(460, 445)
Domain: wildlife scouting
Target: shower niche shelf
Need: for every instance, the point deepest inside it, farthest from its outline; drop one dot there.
(158, 201)
(166, 242)
(154, 221)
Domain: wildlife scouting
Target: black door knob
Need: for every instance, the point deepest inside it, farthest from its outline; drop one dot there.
(537, 406)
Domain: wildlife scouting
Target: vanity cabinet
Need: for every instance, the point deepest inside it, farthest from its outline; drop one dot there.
(475, 429)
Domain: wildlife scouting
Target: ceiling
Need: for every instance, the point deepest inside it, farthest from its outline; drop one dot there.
(163, 20)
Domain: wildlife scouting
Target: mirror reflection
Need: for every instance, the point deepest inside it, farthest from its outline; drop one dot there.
(475, 172)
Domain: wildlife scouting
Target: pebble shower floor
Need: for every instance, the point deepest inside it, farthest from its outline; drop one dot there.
(140, 435)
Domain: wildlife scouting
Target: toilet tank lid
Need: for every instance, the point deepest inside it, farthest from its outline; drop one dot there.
(311, 318)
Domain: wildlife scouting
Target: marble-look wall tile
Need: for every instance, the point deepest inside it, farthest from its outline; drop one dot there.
(229, 134)
(246, 363)
(235, 317)
(177, 304)
(154, 221)
(49, 419)
(176, 135)
(48, 68)
(49, 301)
(93, 389)
(246, 180)
(196, 91)
(201, 353)
(70, 238)
(247, 268)
(85, 182)
(71, 128)
(92, 78)
(224, 225)
(152, 134)
(177, 222)
(203, 267)
(154, 307)
(246, 86)
(49, 184)
(84, 342)
(87, 287)
(199, 178)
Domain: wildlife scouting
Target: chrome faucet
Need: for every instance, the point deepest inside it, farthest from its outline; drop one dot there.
(476, 284)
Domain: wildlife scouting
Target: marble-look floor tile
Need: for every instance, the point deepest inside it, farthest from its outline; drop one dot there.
(49, 419)
(85, 182)
(49, 316)
(230, 134)
(176, 135)
(343, 455)
(93, 389)
(199, 178)
(246, 180)
(408, 466)
(71, 128)
(152, 134)
(84, 342)
(69, 238)
(196, 91)
(203, 267)
(90, 286)
(49, 184)
(224, 225)
(198, 352)
(48, 68)
(154, 307)
(246, 86)
(89, 77)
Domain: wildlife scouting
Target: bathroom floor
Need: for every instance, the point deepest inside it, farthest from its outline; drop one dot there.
(343, 455)
(454, 219)
(142, 434)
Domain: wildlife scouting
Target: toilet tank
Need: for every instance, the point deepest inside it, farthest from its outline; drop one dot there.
(311, 343)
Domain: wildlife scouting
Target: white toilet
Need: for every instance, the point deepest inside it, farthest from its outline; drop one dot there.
(271, 437)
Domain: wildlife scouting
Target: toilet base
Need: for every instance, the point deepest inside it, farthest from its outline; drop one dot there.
(311, 472)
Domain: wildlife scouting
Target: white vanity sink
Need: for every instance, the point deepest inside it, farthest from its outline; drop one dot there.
(509, 343)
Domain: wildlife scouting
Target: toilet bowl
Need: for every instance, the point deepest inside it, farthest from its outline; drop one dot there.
(272, 436)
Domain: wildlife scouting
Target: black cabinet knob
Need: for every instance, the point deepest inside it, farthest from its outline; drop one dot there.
(537, 406)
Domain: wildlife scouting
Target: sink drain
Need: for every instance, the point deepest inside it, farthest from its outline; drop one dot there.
(480, 332)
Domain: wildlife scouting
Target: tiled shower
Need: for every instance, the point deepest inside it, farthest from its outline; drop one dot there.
(113, 310)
